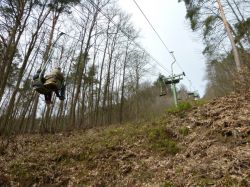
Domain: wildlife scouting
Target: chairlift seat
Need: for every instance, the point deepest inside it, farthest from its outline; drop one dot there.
(175, 81)
(168, 82)
(39, 87)
(163, 94)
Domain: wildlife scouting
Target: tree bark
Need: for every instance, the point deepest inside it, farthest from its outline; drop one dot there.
(230, 36)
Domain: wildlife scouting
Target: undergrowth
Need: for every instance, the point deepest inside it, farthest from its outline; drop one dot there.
(89, 150)
(161, 140)
(182, 106)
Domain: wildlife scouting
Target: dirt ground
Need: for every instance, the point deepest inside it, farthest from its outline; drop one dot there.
(206, 145)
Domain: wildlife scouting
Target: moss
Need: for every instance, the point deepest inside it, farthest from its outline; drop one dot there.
(179, 170)
(160, 141)
(166, 184)
(228, 181)
(184, 131)
(145, 173)
(204, 182)
(199, 102)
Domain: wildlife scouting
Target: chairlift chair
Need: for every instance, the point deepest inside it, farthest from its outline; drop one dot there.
(163, 91)
(39, 87)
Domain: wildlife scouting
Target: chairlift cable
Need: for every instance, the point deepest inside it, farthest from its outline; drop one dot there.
(123, 32)
(158, 35)
(127, 35)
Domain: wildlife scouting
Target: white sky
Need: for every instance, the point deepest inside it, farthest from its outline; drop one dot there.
(168, 18)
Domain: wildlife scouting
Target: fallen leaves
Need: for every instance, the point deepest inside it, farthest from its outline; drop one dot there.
(212, 140)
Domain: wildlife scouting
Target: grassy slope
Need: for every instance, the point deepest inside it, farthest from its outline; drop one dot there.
(203, 146)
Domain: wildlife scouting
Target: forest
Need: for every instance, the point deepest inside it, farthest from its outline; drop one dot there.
(118, 122)
(102, 60)
(104, 64)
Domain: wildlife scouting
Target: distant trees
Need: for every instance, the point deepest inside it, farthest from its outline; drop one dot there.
(221, 75)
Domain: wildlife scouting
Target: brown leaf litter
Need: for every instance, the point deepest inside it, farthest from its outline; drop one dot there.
(214, 152)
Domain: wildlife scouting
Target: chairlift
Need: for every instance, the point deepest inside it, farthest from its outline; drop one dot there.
(190, 93)
(175, 81)
(163, 91)
(196, 95)
(168, 82)
(38, 84)
(172, 81)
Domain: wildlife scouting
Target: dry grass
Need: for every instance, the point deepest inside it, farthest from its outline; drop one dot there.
(209, 146)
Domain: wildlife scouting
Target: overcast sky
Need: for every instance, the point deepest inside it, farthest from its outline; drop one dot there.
(168, 18)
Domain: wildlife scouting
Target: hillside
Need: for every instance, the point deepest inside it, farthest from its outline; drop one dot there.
(203, 146)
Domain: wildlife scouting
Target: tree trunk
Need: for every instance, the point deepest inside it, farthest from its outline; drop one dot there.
(230, 36)
(80, 75)
(123, 84)
(100, 79)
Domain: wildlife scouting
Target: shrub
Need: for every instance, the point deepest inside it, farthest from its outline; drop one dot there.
(184, 106)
